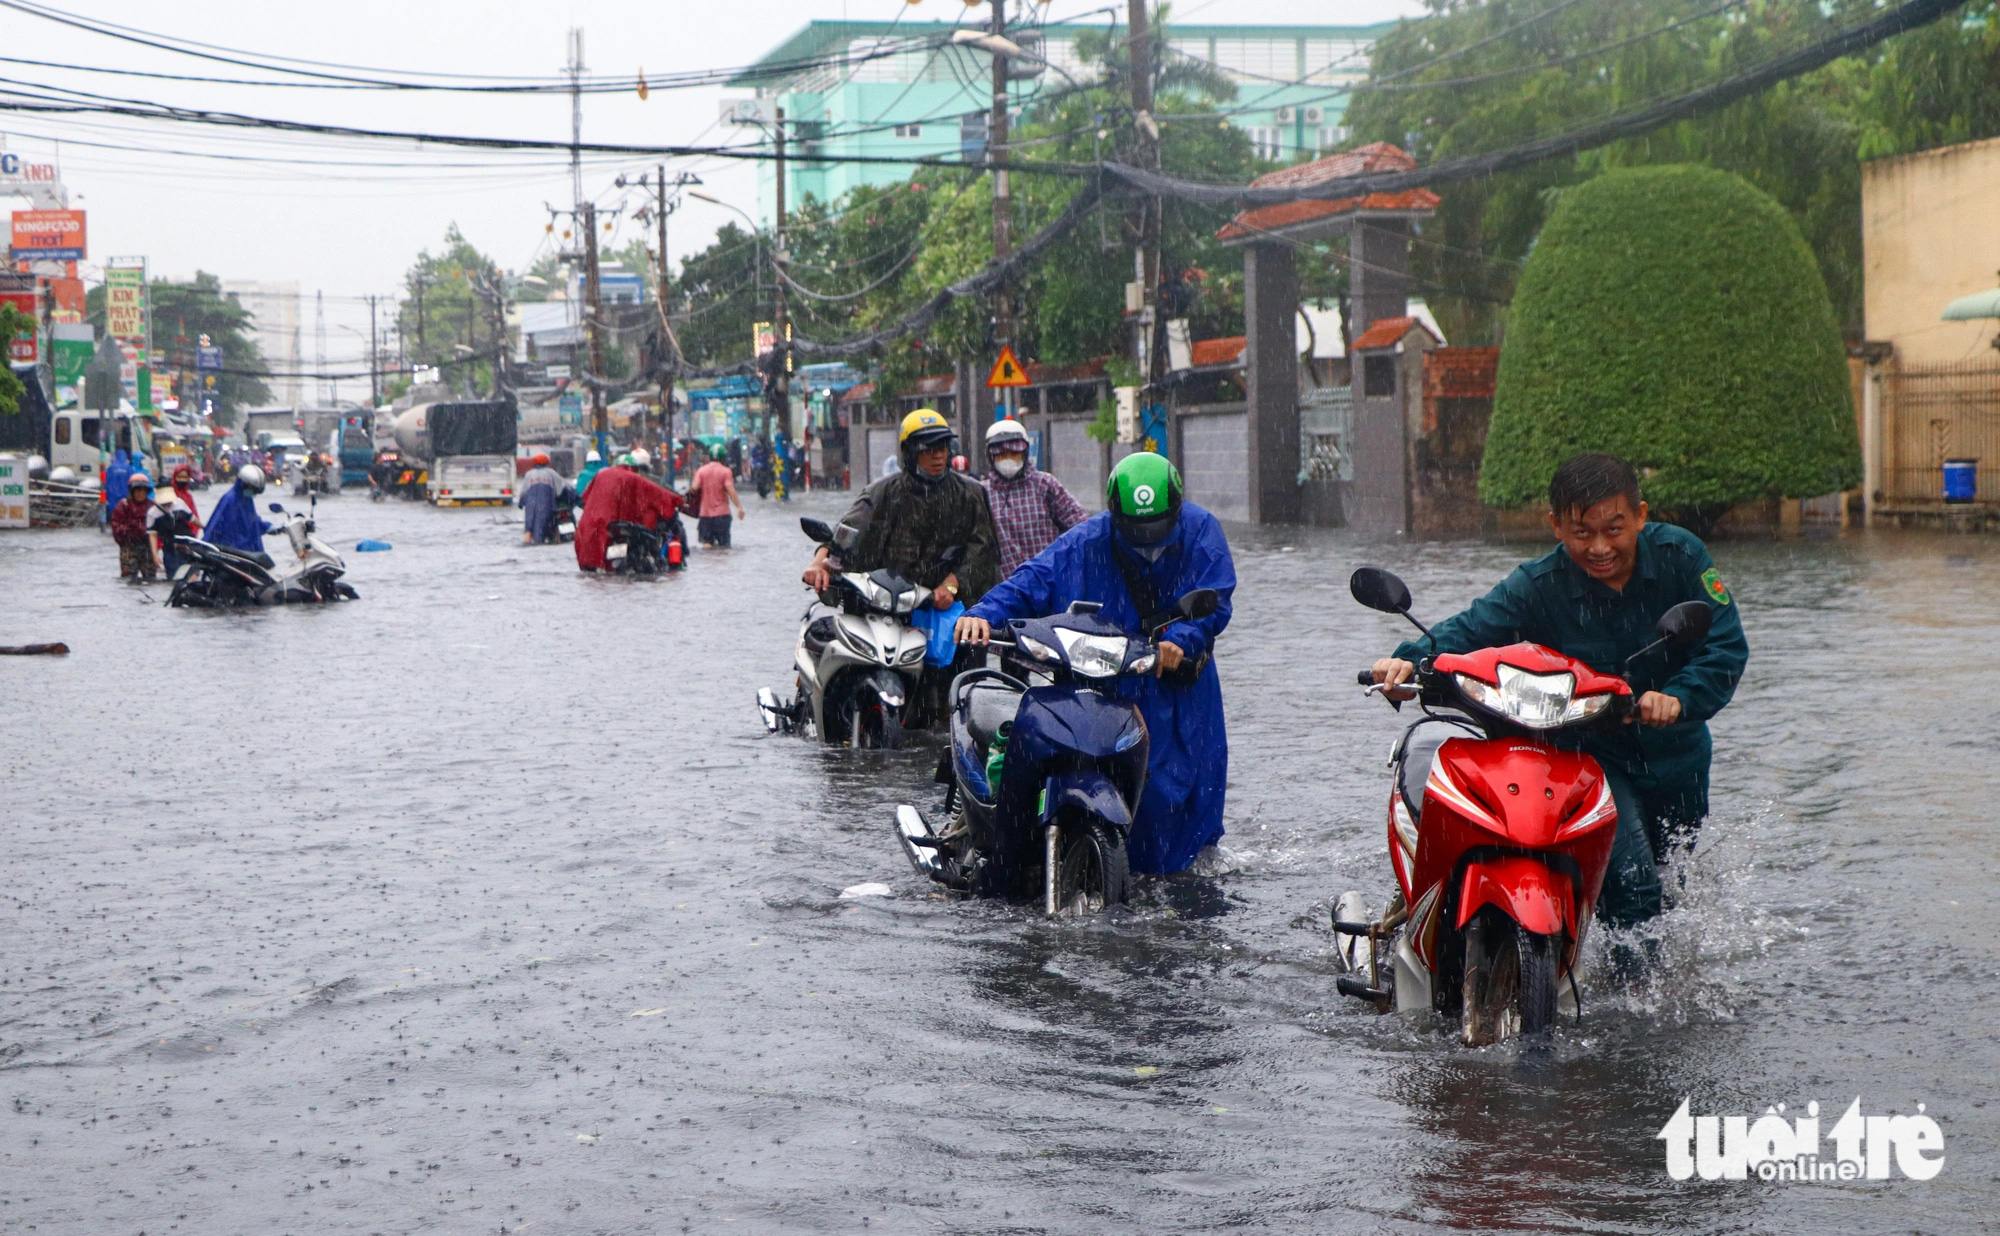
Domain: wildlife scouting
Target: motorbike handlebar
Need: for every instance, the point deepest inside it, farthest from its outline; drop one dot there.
(1365, 678)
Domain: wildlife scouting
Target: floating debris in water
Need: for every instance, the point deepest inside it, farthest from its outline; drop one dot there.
(865, 890)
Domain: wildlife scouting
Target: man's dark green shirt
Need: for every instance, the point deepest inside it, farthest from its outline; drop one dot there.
(1552, 602)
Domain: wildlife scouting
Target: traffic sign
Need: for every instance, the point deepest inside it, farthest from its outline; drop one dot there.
(208, 357)
(1007, 371)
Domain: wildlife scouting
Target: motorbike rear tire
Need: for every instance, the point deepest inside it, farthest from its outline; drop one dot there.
(1092, 871)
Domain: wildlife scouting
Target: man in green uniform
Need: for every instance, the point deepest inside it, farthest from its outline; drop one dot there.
(1597, 597)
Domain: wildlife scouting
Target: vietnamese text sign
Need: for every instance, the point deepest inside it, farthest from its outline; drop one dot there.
(53, 234)
(25, 348)
(125, 303)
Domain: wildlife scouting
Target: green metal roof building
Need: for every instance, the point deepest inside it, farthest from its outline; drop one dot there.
(862, 89)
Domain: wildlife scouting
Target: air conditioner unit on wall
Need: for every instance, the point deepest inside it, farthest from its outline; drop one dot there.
(1285, 115)
(744, 111)
(1315, 114)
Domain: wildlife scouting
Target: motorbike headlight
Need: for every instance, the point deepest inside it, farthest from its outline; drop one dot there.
(878, 596)
(1038, 650)
(912, 654)
(1093, 656)
(1535, 701)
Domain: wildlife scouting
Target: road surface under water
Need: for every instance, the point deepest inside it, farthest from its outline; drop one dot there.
(484, 904)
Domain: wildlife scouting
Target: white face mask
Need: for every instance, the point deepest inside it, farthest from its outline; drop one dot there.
(1009, 465)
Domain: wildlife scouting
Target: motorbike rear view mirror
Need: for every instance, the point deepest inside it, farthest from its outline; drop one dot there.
(1685, 623)
(816, 529)
(950, 558)
(1382, 591)
(277, 508)
(1199, 604)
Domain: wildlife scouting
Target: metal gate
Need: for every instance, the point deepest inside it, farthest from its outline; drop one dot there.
(1932, 413)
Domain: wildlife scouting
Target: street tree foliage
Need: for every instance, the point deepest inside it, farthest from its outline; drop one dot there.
(1485, 75)
(12, 322)
(881, 251)
(1673, 315)
(446, 319)
(184, 312)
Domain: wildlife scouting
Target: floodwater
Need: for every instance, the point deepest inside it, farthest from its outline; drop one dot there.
(485, 905)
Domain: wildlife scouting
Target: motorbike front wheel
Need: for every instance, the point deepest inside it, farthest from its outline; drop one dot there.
(1510, 981)
(875, 724)
(1092, 871)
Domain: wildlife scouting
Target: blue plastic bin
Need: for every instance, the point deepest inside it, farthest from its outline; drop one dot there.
(1961, 480)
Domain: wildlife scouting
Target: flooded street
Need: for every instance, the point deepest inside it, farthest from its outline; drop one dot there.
(484, 904)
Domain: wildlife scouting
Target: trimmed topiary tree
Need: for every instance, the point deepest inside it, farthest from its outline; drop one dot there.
(1674, 316)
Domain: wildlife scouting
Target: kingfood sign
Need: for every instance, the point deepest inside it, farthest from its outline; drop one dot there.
(54, 235)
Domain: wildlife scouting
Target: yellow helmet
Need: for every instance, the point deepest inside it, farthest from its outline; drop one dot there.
(920, 420)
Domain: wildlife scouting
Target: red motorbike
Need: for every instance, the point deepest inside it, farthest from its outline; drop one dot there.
(1499, 836)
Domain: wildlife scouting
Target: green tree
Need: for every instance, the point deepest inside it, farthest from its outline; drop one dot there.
(184, 312)
(717, 297)
(12, 322)
(446, 318)
(1673, 315)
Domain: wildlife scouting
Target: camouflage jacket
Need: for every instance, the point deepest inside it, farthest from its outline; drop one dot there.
(906, 526)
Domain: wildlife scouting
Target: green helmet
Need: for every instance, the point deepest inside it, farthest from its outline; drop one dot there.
(1143, 495)
(717, 453)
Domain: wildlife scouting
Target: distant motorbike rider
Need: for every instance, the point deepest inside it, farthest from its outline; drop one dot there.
(619, 494)
(1030, 507)
(907, 521)
(593, 463)
(540, 490)
(234, 523)
(137, 559)
(1148, 549)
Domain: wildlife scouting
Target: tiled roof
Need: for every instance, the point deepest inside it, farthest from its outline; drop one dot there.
(1387, 333)
(933, 384)
(1377, 157)
(1055, 375)
(1205, 352)
(857, 394)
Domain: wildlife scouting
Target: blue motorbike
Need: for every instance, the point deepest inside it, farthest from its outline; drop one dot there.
(1044, 771)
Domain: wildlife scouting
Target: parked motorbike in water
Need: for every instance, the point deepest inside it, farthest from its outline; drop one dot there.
(215, 577)
(1041, 780)
(861, 672)
(1498, 836)
(635, 549)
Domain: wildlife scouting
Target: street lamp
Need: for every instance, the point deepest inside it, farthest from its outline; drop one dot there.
(1007, 49)
(755, 235)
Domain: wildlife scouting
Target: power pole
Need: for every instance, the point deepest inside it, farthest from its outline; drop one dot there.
(600, 419)
(575, 69)
(781, 329)
(996, 146)
(374, 359)
(319, 347)
(1140, 57)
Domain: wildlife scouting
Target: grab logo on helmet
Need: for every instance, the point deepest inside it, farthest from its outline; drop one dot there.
(1143, 495)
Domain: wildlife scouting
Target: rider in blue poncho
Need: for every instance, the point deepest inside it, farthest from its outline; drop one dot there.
(1168, 548)
(235, 523)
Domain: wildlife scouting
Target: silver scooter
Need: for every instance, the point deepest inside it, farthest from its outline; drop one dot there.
(860, 663)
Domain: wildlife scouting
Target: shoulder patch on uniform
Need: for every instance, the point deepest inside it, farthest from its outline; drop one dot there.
(1711, 582)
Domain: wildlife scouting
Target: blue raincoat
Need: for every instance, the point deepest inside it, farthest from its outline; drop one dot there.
(1181, 810)
(117, 478)
(235, 523)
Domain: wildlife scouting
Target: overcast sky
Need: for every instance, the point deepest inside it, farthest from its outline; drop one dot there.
(350, 231)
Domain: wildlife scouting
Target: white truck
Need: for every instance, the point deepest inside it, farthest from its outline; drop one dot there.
(469, 448)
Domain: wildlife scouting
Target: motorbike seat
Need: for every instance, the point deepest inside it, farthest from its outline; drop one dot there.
(1419, 752)
(987, 708)
(259, 557)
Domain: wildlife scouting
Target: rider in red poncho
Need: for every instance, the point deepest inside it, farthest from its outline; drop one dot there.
(618, 494)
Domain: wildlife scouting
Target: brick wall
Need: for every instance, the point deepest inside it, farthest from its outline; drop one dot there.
(1451, 442)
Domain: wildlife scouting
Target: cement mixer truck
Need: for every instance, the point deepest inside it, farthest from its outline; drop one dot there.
(469, 448)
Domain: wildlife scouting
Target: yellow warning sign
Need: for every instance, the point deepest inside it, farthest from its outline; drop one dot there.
(1007, 371)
